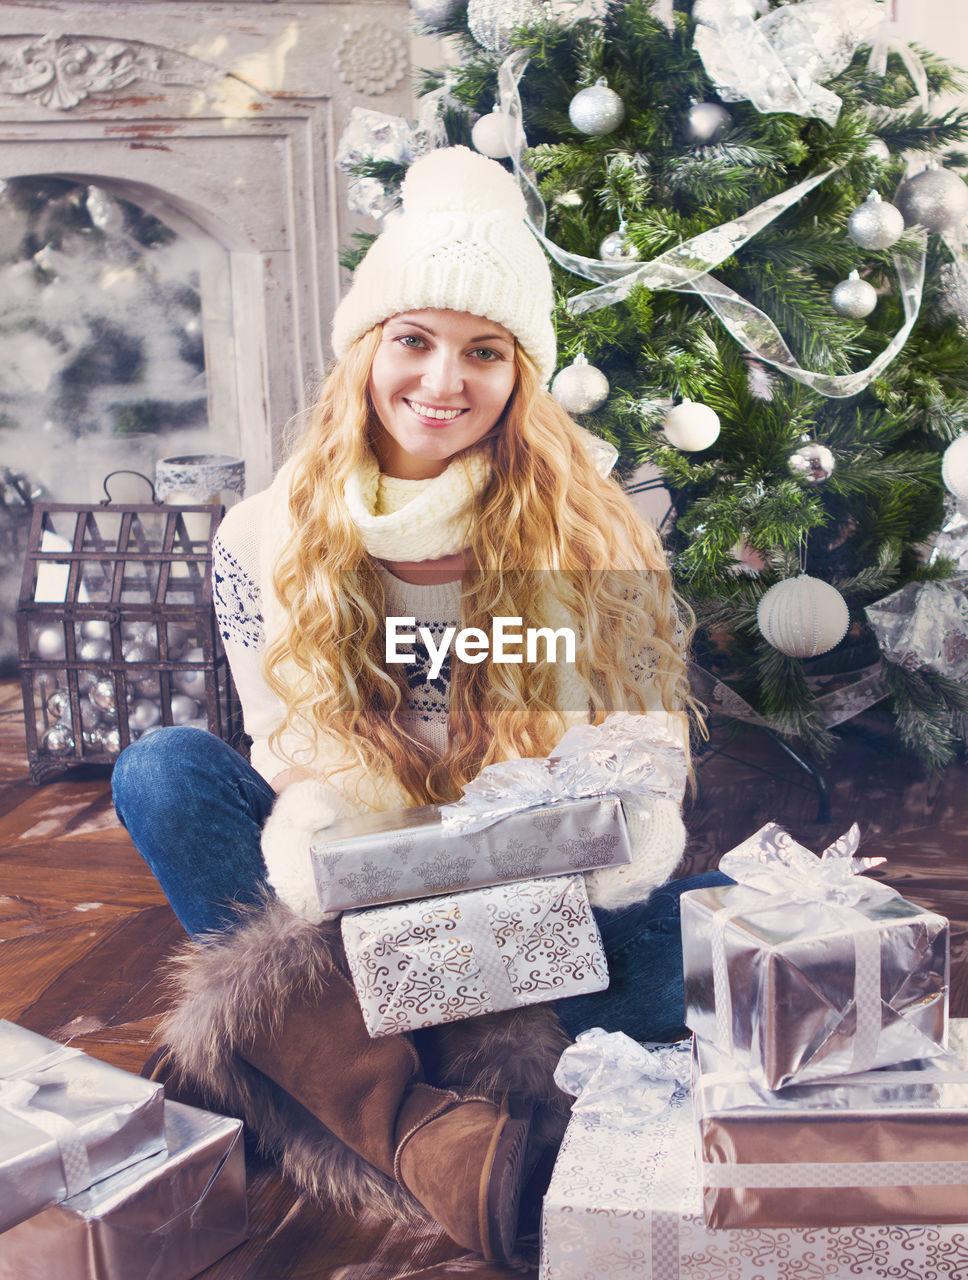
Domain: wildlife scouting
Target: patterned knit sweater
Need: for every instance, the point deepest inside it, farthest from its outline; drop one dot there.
(656, 831)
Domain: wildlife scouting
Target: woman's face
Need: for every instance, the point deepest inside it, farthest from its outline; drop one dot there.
(439, 382)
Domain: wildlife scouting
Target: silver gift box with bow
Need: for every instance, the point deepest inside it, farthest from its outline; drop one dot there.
(66, 1121)
(804, 969)
(517, 820)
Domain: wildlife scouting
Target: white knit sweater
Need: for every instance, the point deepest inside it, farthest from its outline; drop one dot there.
(657, 832)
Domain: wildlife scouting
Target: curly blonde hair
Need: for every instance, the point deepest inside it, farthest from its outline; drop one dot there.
(546, 527)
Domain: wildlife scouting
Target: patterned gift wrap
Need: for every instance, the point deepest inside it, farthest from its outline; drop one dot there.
(628, 1204)
(807, 971)
(393, 857)
(417, 964)
(881, 1147)
(66, 1121)
(165, 1218)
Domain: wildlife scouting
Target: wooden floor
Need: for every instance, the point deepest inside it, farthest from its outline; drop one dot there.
(83, 927)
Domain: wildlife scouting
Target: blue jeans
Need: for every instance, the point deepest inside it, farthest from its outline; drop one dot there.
(195, 809)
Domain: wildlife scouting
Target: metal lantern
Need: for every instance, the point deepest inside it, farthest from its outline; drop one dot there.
(115, 618)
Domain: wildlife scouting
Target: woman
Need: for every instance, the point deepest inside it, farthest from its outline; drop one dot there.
(437, 481)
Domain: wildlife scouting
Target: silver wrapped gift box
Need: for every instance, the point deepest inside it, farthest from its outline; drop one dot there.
(67, 1120)
(881, 1147)
(517, 820)
(805, 970)
(165, 1218)
(625, 1203)
(416, 964)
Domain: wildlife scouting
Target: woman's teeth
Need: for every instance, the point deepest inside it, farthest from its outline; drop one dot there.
(426, 411)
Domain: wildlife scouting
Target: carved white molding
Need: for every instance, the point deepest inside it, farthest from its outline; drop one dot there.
(371, 59)
(61, 71)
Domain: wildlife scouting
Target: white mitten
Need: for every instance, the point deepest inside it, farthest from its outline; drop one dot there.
(658, 837)
(301, 810)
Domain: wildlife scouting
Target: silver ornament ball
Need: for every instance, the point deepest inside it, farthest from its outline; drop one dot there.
(706, 122)
(875, 224)
(94, 650)
(49, 643)
(183, 708)
(90, 715)
(110, 740)
(691, 426)
(102, 695)
(96, 629)
(144, 714)
(492, 22)
(617, 247)
(490, 133)
(434, 13)
(954, 469)
(937, 199)
(58, 740)
(803, 616)
(813, 462)
(59, 705)
(597, 110)
(580, 387)
(191, 682)
(853, 298)
(138, 631)
(139, 651)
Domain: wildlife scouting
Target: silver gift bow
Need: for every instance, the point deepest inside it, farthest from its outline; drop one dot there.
(17, 1090)
(629, 756)
(924, 626)
(783, 871)
(685, 268)
(619, 1082)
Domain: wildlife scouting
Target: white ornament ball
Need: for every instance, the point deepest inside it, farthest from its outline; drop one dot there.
(49, 643)
(434, 12)
(691, 426)
(937, 199)
(94, 650)
(183, 708)
(617, 247)
(191, 682)
(597, 110)
(875, 224)
(96, 629)
(144, 714)
(492, 22)
(580, 387)
(803, 616)
(813, 462)
(878, 149)
(138, 631)
(853, 298)
(102, 695)
(490, 133)
(954, 468)
(58, 740)
(139, 651)
(706, 122)
(713, 12)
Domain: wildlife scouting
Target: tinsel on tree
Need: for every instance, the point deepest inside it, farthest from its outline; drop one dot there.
(743, 517)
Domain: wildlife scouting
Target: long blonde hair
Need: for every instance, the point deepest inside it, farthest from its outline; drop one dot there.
(546, 521)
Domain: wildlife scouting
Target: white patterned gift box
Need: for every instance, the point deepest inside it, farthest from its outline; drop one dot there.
(67, 1120)
(625, 1201)
(879, 1147)
(519, 819)
(417, 964)
(168, 1217)
(805, 970)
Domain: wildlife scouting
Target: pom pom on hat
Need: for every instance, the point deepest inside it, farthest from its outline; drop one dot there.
(458, 180)
(460, 243)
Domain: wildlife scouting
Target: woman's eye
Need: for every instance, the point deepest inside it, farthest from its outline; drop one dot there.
(410, 340)
(486, 353)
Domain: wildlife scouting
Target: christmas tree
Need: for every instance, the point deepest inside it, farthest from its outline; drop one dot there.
(796, 323)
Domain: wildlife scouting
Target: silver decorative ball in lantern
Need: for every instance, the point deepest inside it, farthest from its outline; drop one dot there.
(434, 13)
(580, 387)
(49, 643)
(954, 469)
(95, 650)
(139, 651)
(853, 298)
(813, 462)
(144, 714)
(86, 680)
(183, 708)
(59, 705)
(96, 629)
(705, 123)
(596, 110)
(691, 426)
(490, 135)
(803, 616)
(875, 224)
(191, 682)
(492, 22)
(110, 741)
(103, 696)
(90, 715)
(617, 247)
(138, 631)
(58, 740)
(937, 199)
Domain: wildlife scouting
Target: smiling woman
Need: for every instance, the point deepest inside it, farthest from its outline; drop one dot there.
(440, 483)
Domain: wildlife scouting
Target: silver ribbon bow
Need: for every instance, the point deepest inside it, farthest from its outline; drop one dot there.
(629, 756)
(17, 1092)
(773, 862)
(619, 1082)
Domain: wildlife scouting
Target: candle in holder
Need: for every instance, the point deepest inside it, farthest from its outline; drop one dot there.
(196, 478)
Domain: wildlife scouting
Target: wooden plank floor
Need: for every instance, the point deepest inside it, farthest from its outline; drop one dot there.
(84, 928)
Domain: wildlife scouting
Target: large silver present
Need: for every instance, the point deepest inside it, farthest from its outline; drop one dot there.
(805, 970)
(880, 1147)
(416, 964)
(625, 1199)
(66, 1121)
(165, 1218)
(519, 819)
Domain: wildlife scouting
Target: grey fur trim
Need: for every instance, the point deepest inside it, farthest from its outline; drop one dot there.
(226, 985)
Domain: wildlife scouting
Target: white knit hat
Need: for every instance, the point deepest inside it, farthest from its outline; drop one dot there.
(460, 244)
